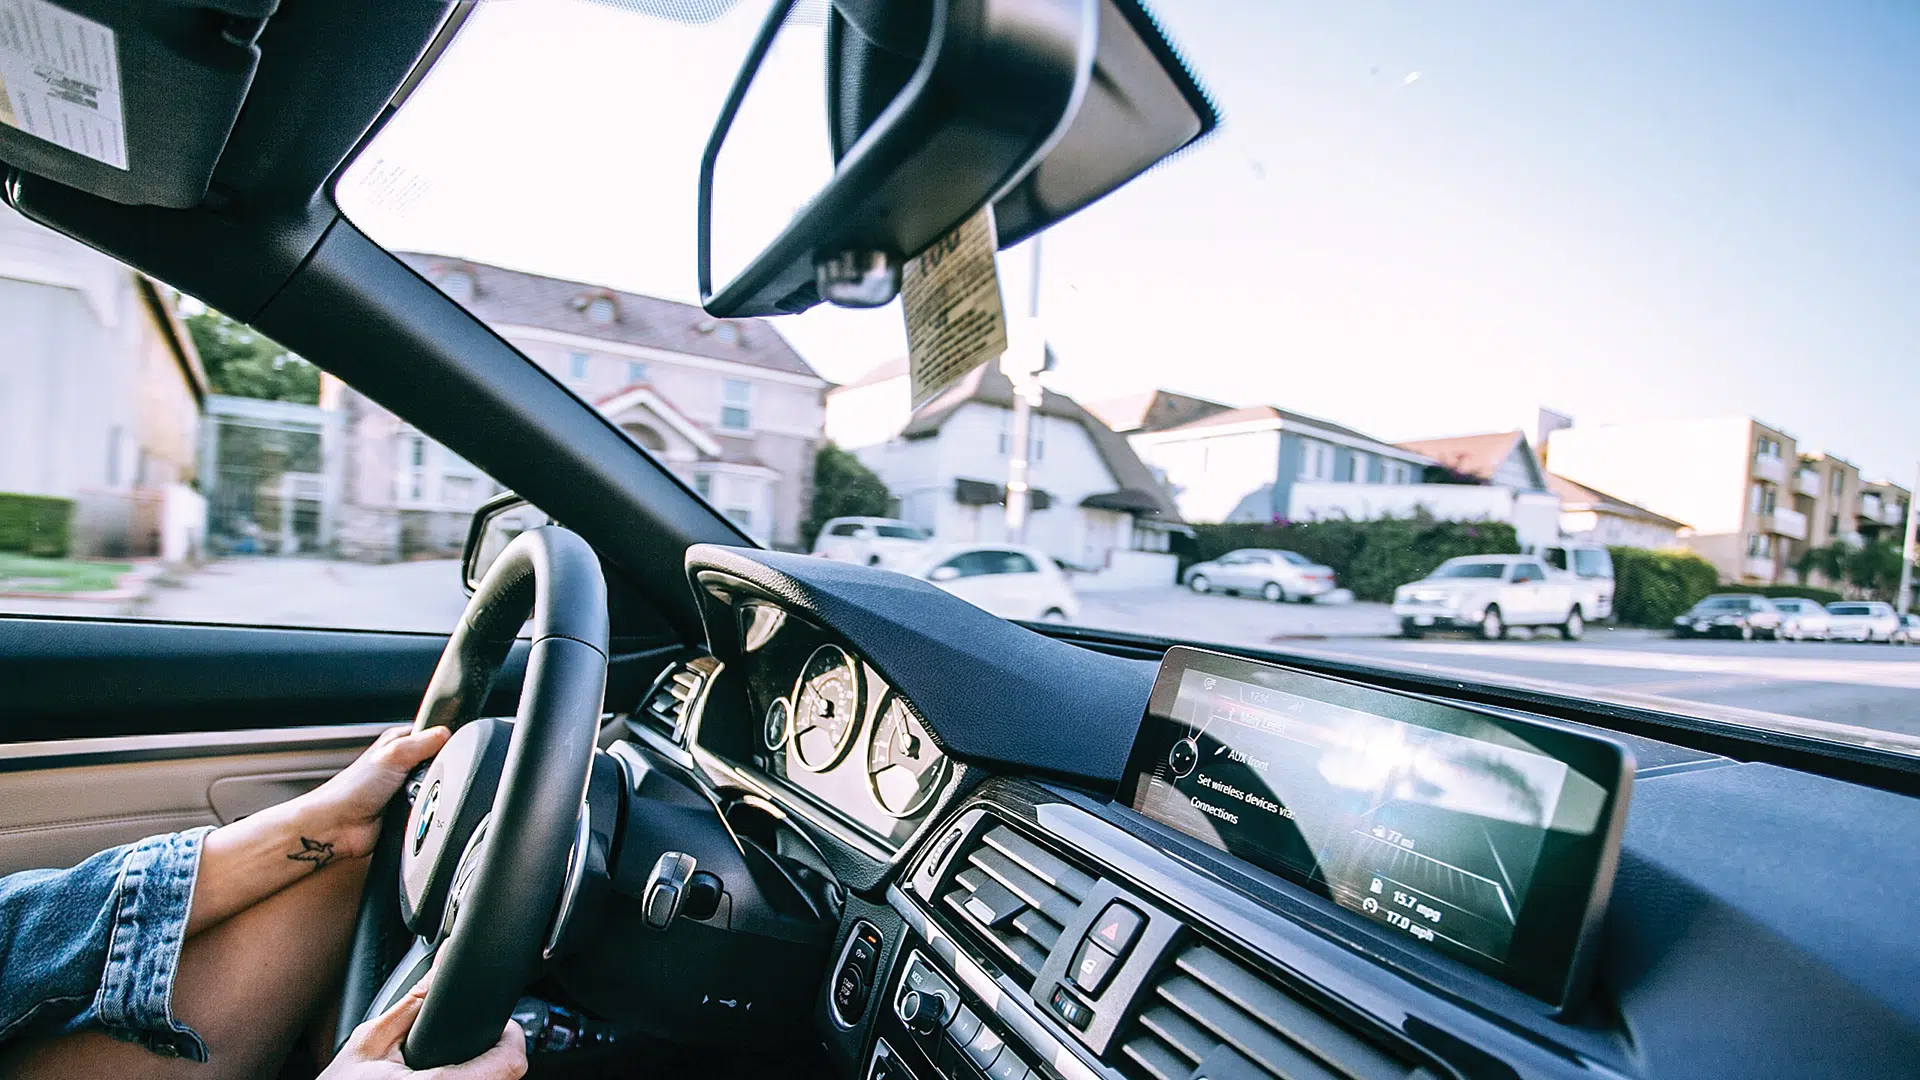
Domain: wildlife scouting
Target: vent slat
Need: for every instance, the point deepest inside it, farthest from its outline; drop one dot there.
(1288, 1015)
(1155, 1061)
(1246, 1034)
(1024, 954)
(1041, 863)
(1042, 930)
(1180, 1034)
(1035, 893)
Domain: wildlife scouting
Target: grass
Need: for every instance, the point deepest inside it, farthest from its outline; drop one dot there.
(25, 573)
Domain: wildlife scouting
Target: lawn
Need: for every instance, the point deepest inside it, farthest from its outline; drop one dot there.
(24, 573)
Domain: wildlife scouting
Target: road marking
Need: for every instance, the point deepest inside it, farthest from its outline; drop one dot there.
(1774, 667)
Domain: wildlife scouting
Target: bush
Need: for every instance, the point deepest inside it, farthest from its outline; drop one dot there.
(1370, 557)
(1800, 592)
(842, 487)
(1652, 588)
(35, 524)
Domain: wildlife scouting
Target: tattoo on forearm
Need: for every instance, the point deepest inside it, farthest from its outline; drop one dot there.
(313, 851)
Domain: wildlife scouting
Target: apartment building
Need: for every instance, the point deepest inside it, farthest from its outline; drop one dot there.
(1881, 509)
(1735, 480)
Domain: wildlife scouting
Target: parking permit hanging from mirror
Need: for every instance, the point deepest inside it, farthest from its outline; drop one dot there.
(950, 295)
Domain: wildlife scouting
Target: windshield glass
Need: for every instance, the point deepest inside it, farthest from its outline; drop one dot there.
(1470, 570)
(1484, 281)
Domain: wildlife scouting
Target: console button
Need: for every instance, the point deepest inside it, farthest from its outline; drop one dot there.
(1093, 966)
(964, 1027)
(921, 1013)
(850, 992)
(1070, 1009)
(1007, 1066)
(984, 1047)
(1116, 928)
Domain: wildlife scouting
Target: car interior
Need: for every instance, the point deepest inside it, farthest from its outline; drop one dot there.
(713, 808)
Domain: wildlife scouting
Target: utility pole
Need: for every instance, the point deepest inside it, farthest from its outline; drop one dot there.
(1905, 597)
(1024, 372)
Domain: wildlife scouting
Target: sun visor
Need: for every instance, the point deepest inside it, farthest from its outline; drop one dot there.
(130, 100)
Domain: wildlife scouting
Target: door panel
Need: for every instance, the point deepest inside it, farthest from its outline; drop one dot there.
(55, 817)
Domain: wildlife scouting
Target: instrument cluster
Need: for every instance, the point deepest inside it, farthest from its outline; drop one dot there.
(831, 727)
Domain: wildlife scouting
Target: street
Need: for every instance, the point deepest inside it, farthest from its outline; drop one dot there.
(1866, 686)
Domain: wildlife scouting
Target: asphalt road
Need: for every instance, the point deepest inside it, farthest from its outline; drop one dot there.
(1863, 686)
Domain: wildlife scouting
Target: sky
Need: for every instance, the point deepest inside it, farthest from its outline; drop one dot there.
(1416, 219)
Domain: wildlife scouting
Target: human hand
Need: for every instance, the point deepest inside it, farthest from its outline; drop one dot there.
(347, 808)
(372, 1052)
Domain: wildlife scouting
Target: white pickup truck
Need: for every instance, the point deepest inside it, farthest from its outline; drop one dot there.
(1490, 593)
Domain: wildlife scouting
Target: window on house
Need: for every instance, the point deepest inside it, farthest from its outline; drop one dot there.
(703, 485)
(577, 365)
(742, 517)
(736, 404)
(113, 456)
(1037, 438)
(1759, 545)
(1755, 493)
(1835, 480)
(458, 285)
(1356, 468)
(1769, 499)
(600, 311)
(636, 372)
(1316, 460)
(727, 333)
(1005, 444)
(457, 492)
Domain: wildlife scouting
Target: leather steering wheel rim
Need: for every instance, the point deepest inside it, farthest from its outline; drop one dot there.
(492, 948)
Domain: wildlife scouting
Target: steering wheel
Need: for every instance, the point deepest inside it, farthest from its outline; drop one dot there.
(485, 852)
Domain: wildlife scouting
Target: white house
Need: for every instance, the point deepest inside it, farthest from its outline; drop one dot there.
(1094, 505)
(1595, 517)
(1228, 464)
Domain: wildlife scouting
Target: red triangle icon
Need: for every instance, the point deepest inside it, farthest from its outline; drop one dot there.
(1111, 931)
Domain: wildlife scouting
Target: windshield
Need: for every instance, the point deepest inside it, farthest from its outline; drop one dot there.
(1630, 281)
(1470, 570)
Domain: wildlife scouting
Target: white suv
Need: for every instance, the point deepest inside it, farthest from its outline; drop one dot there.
(1863, 620)
(1489, 593)
(870, 541)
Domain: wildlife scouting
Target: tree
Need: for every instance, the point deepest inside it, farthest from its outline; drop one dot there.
(1874, 568)
(244, 363)
(842, 487)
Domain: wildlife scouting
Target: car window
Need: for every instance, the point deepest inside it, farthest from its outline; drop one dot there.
(159, 460)
(845, 528)
(1450, 188)
(1491, 571)
(1849, 609)
(1528, 572)
(900, 532)
(972, 564)
(1294, 558)
(1012, 562)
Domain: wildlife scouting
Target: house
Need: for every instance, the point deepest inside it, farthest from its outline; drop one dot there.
(1093, 503)
(1595, 517)
(101, 394)
(1729, 478)
(1243, 464)
(727, 405)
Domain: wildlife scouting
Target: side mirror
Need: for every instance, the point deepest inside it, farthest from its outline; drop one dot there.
(944, 573)
(858, 132)
(495, 524)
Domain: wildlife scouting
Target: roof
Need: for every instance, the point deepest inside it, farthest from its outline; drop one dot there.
(516, 298)
(1169, 413)
(1478, 456)
(987, 385)
(1152, 410)
(1578, 496)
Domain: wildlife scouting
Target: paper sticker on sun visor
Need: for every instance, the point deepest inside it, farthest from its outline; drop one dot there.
(60, 80)
(951, 296)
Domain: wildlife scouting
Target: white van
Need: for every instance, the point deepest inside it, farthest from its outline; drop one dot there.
(1591, 568)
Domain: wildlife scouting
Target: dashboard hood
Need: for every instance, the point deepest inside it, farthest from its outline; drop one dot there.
(992, 692)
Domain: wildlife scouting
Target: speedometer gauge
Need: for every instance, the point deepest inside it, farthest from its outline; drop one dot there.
(826, 709)
(904, 768)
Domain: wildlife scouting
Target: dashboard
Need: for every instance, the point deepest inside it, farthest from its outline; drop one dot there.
(1062, 862)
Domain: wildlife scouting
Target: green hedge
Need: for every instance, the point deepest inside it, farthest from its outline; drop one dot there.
(35, 524)
(1369, 557)
(1651, 588)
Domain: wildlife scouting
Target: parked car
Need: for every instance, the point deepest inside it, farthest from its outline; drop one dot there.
(1742, 615)
(1864, 620)
(1591, 567)
(1490, 593)
(1802, 619)
(1909, 631)
(1271, 573)
(871, 541)
(1010, 581)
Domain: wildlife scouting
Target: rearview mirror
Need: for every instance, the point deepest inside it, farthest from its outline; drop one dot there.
(494, 526)
(858, 132)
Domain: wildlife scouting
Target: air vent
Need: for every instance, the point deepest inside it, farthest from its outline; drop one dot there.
(1209, 1006)
(1015, 896)
(673, 694)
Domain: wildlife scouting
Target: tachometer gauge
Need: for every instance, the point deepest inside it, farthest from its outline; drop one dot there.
(826, 709)
(904, 768)
(778, 724)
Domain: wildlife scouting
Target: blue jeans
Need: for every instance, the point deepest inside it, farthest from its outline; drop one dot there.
(96, 947)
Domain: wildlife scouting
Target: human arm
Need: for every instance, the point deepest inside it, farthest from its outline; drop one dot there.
(372, 1052)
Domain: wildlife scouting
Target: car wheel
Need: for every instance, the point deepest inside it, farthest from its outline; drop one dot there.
(1054, 614)
(1492, 627)
(1408, 630)
(1199, 583)
(1746, 632)
(1575, 627)
(1273, 593)
(873, 560)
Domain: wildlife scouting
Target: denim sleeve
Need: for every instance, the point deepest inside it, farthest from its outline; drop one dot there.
(96, 947)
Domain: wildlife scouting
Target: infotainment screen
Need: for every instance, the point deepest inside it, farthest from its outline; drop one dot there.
(1484, 837)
